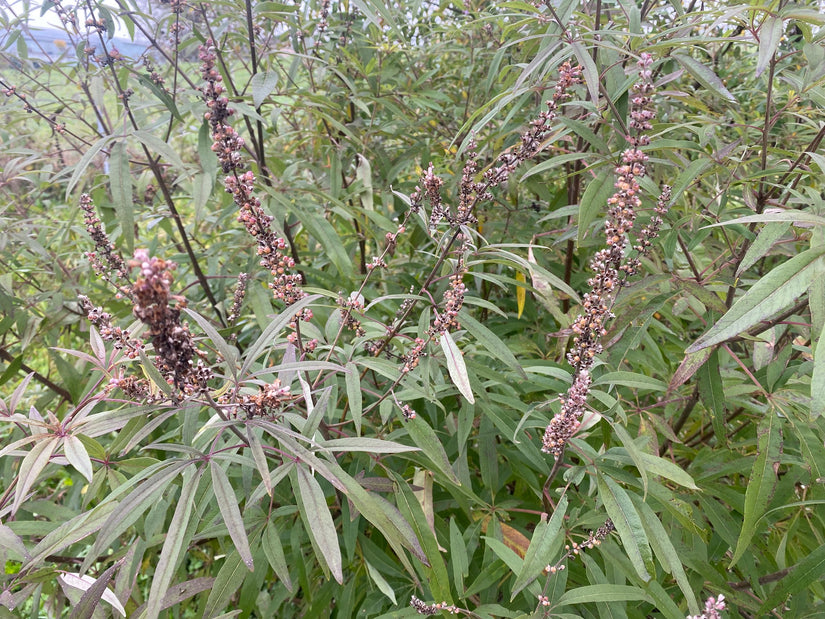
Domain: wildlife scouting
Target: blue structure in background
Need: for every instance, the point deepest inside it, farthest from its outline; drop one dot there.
(50, 44)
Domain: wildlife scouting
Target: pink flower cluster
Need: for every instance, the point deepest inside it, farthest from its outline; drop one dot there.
(227, 145)
(611, 266)
(712, 607)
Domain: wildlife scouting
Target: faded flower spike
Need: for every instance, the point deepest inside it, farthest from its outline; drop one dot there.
(611, 265)
(227, 146)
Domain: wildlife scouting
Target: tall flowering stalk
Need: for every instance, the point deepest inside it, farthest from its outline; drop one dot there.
(153, 303)
(611, 265)
(471, 192)
(227, 146)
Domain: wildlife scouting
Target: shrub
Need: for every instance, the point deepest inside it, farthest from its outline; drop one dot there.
(394, 310)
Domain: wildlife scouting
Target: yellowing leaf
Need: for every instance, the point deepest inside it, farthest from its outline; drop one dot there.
(521, 292)
(515, 540)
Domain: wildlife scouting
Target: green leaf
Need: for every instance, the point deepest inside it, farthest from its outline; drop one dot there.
(589, 69)
(818, 378)
(705, 76)
(353, 383)
(262, 85)
(811, 569)
(156, 146)
(490, 341)
(30, 468)
(229, 353)
(120, 184)
(9, 540)
(181, 591)
(771, 294)
(126, 513)
(318, 521)
(765, 240)
(665, 551)
(163, 96)
(77, 456)
(70, 533)
(594, 201)
(173, 546)
(456, 367)
(790, 216)
(770, 33)
(230, 512)
(411, 509)
(713, 395)
(458, 556)
(425, 437)
(604, 593)
(381, 582)
(227, 582)
(258, 455)
(537, 557)
(329, 241)
(689, 366)
(620, 509)
(274, 552)
(95, 590)
(669, 470)
(84, 162)
(762, 480)
(274, 327)
(632, 450)
(369, 445)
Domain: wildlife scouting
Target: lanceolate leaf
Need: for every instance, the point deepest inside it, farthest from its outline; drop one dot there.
(272, 330)
(120, 182)
(665, 551)
(318, 520)
(456, 366)
(705, 76)
(425, 437)
(771, 294)
(274, 551)
(762, 480)
(173, 545)
(537, 557)
(489, 340)
(712, 394)
(77, 456)
(231, 514)
(628, 524)
(594, 201)
(803, 574)
(604, 593)
(95, 590)
(130, 508)
(31, 467)
(770, 34)
(227, 582)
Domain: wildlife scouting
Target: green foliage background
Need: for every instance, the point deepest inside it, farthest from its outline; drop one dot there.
(704, 443)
